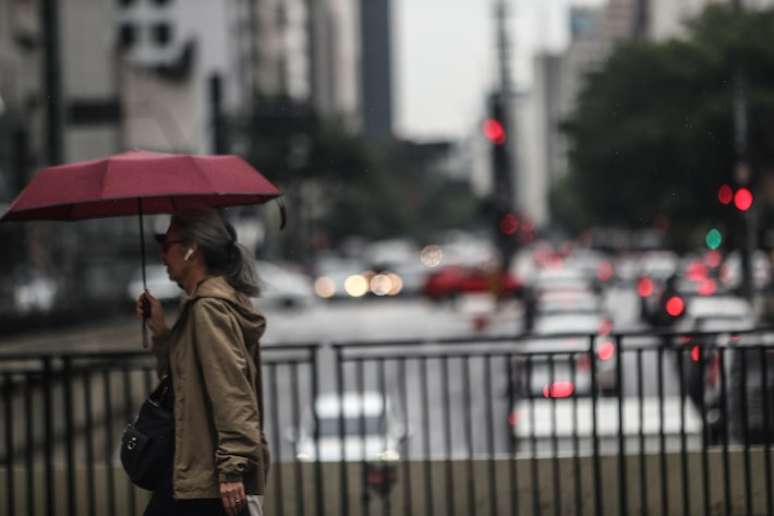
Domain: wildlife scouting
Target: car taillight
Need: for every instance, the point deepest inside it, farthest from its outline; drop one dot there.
(675, 306)
(605, 271)
(606, 350)
(559, 390)
(696, 353)
(707, 287)
(645, 287)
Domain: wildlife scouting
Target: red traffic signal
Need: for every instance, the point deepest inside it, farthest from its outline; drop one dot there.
(675, 306)
(494, 131)
(725, 194)
(743, 199)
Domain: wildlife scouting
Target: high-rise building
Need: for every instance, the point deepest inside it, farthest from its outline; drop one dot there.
(376, 102)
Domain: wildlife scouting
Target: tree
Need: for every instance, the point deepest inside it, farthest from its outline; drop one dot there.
(652, 135)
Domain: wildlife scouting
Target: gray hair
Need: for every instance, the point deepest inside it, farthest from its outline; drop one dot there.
(217, 241)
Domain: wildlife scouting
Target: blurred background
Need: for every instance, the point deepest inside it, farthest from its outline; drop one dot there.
(436, 157)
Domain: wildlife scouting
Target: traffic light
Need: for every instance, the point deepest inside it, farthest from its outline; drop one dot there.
(713, 239)
(725, 194)
(743, 199)
(507, 224)
(494, 131)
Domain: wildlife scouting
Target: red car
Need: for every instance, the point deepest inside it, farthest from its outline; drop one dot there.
(454, 280)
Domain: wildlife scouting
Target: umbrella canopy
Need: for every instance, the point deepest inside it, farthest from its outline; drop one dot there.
(139, 182)
(136, 183)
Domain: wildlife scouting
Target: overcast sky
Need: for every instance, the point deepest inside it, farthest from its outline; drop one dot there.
(445, 58)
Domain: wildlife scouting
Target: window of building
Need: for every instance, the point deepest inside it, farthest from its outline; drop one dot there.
(127, 35)
(162, 34)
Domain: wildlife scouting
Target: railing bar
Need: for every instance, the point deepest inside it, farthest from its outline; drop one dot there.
(69, 435)
(724, 410)
(703, 355)
(554, 440)
(408, 505)
(517, 339)
(492, 473)
(30, 442)
(686, 496)
(296, 414)
(471, 484)
(89, 437)
(108, 402)
(575, 440)
(318, 482)
(447, 436)
(275, 430)
(128, 414)
(387, 471)
(533, 443)
(661, 433)
(426, 437)
(766, 429)
(598, 502)
(641, 431)
(344, 488)
(9, 444)
(623, 494)
(49, 433)
(742, 354)
(364, 464)
(512, 437)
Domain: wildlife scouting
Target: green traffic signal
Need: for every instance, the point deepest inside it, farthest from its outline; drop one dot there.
(713, 239)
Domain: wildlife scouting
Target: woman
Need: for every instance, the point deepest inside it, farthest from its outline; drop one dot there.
(212, 353)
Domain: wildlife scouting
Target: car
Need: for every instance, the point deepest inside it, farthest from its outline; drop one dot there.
(371, 432)
(566, 338)
(158, 282)
(570, 422)
(283, 285)
(454, 280)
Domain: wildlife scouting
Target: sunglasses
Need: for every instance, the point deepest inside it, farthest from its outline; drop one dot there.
(165, 244)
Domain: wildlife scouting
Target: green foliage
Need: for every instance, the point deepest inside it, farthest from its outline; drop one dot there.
(652, 134)
(337, 186)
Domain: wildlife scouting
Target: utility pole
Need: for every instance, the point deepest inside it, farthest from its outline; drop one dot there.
(641, 19)
(503, 162)
(49, 16)
(742, 172)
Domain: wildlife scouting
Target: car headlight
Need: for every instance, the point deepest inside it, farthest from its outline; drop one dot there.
(389, 456)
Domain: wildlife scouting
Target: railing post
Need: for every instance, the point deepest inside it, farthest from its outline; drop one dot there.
(318, 483)
(10, 487)
(69, 435)
(49, 433)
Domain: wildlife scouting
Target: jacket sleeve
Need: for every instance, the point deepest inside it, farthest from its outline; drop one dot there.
(224, 368)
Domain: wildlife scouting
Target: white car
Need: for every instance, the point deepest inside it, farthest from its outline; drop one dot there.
(371, 431)
(566, 337)
(542, 421)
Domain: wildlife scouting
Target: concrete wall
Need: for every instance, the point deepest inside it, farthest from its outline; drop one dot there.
(456, 491)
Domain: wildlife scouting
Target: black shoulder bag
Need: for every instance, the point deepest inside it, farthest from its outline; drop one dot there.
(147, 447)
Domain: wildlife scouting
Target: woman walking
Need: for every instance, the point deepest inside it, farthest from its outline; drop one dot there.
(221, 459)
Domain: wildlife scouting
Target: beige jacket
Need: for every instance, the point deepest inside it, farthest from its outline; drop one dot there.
(213, 354)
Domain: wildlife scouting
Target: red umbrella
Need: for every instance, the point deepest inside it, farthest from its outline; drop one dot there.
(136, 183)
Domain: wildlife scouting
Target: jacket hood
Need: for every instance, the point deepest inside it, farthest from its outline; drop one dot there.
(252, 323)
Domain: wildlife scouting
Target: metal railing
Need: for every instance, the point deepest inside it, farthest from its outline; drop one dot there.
(635, 423)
